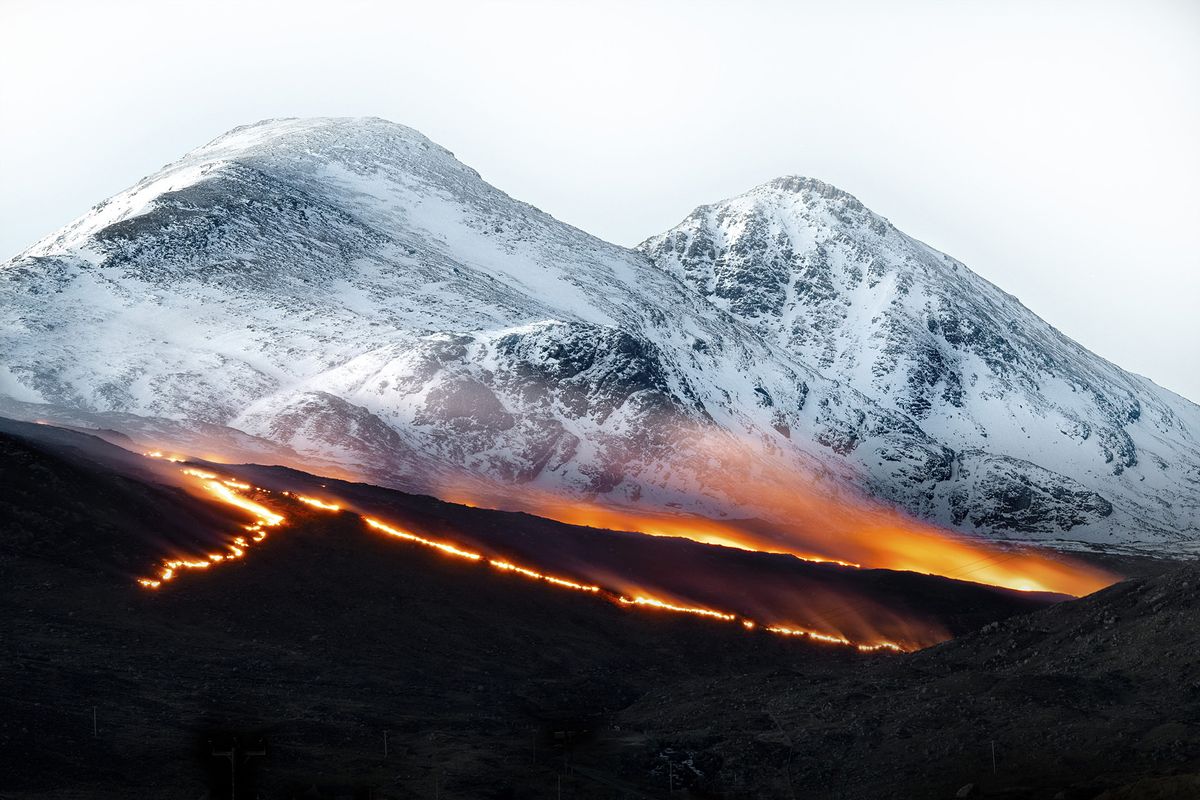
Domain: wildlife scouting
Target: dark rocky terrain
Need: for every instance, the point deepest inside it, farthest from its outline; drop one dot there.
(1098, 697)
(495, 687)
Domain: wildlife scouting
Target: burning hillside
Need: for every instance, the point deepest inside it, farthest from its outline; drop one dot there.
(250, 500)
(826, 604)
(817, 519)
(388, 632)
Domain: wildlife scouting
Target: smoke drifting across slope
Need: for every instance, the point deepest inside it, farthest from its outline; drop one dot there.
(817, 520)
(844, 532)
(217, 518)
(347, 292)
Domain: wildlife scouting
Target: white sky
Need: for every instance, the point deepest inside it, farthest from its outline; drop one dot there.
(1054, 148)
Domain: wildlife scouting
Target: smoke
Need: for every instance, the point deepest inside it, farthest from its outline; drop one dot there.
(775, 505)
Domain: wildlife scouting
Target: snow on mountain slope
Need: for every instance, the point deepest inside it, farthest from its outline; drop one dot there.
(349, 291)
(1047, 437)
(345, 293)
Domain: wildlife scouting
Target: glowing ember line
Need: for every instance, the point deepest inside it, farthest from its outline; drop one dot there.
(820, 637)
(537, 576)
(504, 566)
(412, 537)
(650, 601)
(199, 473)
(226, 491)
(801, 520)
(315, 503)
(159, 454)
(264, 514)
(825, 637)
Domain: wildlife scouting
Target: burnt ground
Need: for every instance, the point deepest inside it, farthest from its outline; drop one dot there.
(491, 687)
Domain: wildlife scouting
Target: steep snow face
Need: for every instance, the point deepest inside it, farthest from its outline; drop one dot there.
(1047, 436)
(348, 291)
(345, 293)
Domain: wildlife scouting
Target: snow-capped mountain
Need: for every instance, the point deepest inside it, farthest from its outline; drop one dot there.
(1033, 418)
(346, 293)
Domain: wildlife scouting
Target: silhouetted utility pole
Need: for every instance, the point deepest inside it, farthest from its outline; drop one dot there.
(232, 754)
(95, 730)
(993, 756)
(385, 733)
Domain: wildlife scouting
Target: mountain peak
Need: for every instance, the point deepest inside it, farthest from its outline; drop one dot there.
(302, 144)
(793, 208)
(321, 132)
(804, 195)
(301, 155)
(803, 184)
(786, 203)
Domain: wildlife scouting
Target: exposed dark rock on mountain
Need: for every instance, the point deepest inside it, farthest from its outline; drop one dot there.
(1046, 433)
(346, 293)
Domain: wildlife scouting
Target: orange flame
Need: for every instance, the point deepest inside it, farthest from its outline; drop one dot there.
(226, 490)
(449, 549)
(825, 637)
(871, 539)
(227, 495)
(823, 523)
(654, 603)
(537, 576)
(159, 454)
(314, 502)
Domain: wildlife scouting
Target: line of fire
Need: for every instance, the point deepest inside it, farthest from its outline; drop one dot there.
(252, 501)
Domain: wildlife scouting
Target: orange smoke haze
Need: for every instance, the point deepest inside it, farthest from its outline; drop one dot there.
(776, 509)
(846, 535)
(228, 492)
(769, 504)
(249, 500)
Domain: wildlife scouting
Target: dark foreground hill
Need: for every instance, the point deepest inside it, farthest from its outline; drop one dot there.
(486, 686)
(1098, 697)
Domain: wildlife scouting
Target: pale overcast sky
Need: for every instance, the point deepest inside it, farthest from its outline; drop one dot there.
(1053, 147)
